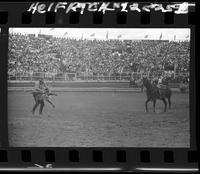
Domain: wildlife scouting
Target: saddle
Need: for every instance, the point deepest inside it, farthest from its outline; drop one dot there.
(161, 86)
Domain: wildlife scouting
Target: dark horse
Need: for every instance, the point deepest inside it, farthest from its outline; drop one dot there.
(154, 93)
(40, 99)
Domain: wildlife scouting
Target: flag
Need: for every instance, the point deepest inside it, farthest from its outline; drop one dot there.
(146, 36)
(39, 33)
(160, 36)
(174, 37)
(51, 29)
(107, 35)
(65, 34)
(187, 36)
(119, 36)
(92, 35)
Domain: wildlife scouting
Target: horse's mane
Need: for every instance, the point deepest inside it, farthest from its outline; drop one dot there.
(149, 86)
(147, 83)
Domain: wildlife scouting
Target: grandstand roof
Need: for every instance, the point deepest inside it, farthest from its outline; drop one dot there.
(171, 34)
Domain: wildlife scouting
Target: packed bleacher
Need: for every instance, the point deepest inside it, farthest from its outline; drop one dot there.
(48, 54)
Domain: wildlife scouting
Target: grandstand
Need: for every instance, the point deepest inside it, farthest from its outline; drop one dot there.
(32, 57)
(28, 53)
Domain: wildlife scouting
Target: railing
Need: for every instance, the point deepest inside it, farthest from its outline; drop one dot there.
(79, 76)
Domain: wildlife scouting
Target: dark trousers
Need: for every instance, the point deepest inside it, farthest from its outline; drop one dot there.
(37, 103)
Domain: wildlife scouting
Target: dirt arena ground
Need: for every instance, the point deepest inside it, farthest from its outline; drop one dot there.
(98, 119)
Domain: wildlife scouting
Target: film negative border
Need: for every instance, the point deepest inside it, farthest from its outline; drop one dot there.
(105, 159)
(95, 159)
(63, 14)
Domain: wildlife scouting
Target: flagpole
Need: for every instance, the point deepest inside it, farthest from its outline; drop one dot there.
(160, 36)
(107, 35)
(38, 33)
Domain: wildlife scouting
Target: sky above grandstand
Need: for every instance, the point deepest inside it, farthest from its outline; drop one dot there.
(175, 34)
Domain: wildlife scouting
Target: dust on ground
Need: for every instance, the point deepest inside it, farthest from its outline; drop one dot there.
(98, 119)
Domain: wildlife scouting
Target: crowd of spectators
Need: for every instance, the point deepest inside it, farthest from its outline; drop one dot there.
(44, 53)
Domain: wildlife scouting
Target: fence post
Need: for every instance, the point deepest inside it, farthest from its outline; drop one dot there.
(65, 76)
(31, 77)
(54, 77)
(75, 77)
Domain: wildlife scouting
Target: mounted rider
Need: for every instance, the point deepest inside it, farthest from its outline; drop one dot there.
(161, 82)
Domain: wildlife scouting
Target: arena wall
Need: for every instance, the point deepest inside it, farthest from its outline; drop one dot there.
(82, 86)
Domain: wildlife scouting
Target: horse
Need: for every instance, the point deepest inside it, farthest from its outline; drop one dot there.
(40, 97)
(154, 93)
(139, 84)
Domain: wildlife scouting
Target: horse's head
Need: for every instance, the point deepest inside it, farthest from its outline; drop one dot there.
(145, 81)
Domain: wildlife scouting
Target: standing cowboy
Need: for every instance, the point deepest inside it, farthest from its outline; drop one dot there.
(39, 90)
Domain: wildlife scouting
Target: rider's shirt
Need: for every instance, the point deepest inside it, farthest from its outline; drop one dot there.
(160, 80)
(40, 87)
(165, 81)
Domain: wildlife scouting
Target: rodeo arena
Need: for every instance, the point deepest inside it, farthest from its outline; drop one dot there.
(114, 91)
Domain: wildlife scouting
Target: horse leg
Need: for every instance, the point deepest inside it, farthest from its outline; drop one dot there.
(154, 105)
(164, 101)
(34, 96)
(34, 107)
(146, 104)
(41, 107)
(169, 101)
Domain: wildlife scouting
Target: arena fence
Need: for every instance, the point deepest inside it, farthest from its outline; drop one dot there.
(81, 76)
(83, 80)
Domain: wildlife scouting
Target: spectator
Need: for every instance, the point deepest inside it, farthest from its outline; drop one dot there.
(28, 53)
